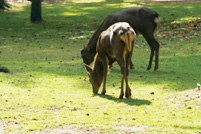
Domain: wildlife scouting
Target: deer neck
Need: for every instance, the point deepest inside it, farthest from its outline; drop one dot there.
(98, 66)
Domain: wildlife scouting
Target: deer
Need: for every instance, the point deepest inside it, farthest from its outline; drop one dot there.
(143, 20)
(114, 44)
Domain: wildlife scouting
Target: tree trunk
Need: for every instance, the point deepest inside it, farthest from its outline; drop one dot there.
(3, 5)
(36, 11)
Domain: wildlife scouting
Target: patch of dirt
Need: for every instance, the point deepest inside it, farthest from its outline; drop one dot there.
(60, 130)
(71, 130)
(2, 127)
(132, 129)
(65, 130)
(192, 94)
(189, 99)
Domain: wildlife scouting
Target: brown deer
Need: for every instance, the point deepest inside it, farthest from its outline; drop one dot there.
(114, 44)
(143, 20)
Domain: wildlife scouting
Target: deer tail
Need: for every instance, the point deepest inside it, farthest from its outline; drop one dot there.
(157, 20)
(128, 38)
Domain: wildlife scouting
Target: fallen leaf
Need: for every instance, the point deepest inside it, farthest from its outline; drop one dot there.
(195, 34)
(181, 35)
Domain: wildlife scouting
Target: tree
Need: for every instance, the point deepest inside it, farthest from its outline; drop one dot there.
(3, 5)
(36, 11)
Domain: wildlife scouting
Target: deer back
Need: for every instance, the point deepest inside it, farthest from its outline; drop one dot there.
(116, 40)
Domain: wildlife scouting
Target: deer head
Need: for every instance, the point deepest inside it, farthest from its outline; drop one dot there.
(95, 78)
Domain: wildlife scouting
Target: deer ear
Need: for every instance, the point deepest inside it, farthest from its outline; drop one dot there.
(88, 68)
(114, 30)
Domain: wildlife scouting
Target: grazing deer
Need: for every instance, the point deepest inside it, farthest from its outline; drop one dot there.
(114, 44)
(143, 20)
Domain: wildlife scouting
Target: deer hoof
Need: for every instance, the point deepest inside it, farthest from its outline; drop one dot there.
(121, 96)
(148, 68)
(95, 92)
(103, 93)
(130, 92)
(128, 95)
(155, 68)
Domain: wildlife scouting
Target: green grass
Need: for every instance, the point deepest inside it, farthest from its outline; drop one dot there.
(48, 87)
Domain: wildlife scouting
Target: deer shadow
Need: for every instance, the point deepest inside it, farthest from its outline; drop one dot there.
(129, 100)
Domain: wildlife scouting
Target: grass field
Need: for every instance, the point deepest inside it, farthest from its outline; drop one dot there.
(48, 88)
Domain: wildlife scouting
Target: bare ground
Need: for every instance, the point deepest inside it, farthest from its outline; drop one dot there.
(71, 130)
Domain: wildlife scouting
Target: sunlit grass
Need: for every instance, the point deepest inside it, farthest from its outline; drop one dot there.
(48, 86)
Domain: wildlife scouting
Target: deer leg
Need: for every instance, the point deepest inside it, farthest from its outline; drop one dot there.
(151, 59)
(128, 90)
(122, 82)
(121, 63)
(129, 61)
(105, 62)
(156, 57)
(154, 46)
(131, 65)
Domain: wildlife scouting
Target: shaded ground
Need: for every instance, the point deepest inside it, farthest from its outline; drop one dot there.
(175, 1)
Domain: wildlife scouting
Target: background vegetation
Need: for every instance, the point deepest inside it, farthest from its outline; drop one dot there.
(48, 88)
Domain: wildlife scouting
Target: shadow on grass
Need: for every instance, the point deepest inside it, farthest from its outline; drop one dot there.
(85, 16)
(188, 127)
(129, 101)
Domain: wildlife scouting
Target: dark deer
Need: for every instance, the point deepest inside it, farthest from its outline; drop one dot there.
(143, 20)
(114, 44)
